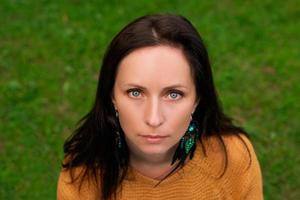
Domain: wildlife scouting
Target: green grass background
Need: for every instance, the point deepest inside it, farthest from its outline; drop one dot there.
(50, 53)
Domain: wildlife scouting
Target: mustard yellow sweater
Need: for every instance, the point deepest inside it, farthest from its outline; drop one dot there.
(198, 179)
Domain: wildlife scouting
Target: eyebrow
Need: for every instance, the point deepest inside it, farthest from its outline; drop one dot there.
(165, 88)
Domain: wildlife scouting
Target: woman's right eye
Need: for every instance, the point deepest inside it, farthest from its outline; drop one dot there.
(134, 92)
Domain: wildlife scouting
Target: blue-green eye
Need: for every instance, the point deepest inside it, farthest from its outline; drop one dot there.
(134, 92)
(175, 95)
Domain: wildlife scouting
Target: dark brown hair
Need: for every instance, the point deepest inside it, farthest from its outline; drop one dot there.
(93, 143)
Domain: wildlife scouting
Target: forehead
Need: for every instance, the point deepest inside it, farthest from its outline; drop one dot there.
(158, 65)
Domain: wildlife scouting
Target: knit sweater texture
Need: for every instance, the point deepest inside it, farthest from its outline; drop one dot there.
(200, 178)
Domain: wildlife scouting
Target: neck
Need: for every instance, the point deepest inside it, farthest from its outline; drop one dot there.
(152, 170)
(153, 166)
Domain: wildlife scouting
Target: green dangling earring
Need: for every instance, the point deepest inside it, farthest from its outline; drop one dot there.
(120, 144)
(118, 136)
(190, 138)
(118, 140)
(187, 143)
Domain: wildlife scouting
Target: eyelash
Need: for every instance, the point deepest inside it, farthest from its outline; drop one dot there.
(133, 90)
(170, 92)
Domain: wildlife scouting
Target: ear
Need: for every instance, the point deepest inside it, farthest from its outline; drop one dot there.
(195, 105)
(114, 101)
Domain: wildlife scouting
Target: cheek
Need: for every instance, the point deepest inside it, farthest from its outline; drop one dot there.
(179, 120)
(129, 116)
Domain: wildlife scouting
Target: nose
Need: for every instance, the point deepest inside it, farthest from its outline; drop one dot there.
(153, 114)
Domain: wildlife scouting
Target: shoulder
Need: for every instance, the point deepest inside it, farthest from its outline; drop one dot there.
(242, 157)
(69, 185)
(235, 151)
(240, 151)
(232, 161)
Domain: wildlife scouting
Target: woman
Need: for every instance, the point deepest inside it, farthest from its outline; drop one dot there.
(157, 130)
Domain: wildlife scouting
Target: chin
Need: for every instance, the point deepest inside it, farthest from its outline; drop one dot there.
(154, 152)
(155, 149)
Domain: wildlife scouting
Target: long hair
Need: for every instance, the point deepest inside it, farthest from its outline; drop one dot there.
(93, 144)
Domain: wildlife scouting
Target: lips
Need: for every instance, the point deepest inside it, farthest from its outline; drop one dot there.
(154, 138)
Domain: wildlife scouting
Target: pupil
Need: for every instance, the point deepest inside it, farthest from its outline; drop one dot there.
(173, 95)
(135, 93)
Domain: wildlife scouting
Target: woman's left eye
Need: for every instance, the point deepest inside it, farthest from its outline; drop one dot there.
(175, 95)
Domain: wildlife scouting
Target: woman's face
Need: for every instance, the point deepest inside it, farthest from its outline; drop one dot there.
(155, 96)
